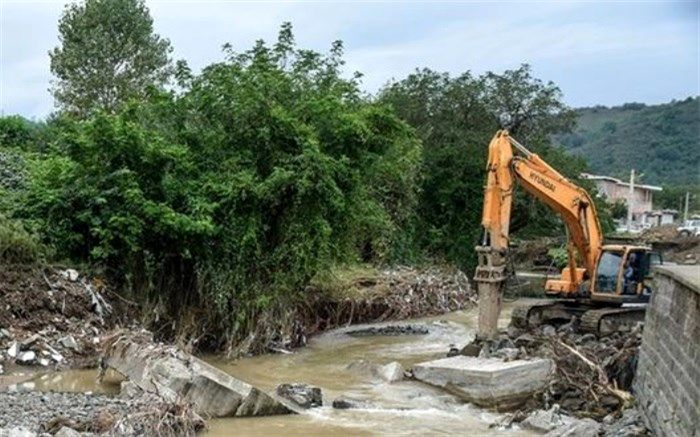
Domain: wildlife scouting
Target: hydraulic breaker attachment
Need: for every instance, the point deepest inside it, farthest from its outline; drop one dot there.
(489, 276)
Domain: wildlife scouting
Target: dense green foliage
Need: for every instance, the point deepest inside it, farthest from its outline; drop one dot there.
(456, 118)
(231, 195)
(660, 141)
(17, 245)
(108, 54)
(228, 195)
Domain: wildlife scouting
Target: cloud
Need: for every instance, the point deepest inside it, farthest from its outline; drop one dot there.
(596, 52)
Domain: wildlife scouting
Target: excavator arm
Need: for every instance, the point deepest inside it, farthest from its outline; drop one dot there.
(509, 163)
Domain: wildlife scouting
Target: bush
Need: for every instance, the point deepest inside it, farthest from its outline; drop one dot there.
(17, 246)
(229, 197)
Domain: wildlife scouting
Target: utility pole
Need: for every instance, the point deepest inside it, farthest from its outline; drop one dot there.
(630, 202)
(685, 210)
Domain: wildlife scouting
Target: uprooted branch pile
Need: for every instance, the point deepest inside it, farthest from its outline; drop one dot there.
(593, 375)
(360, 296)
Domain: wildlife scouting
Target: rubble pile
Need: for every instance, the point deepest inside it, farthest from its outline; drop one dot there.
(674, 247)
(408, 292)
(51, 317)
(588, 393)
(90, 414)
(593, 375)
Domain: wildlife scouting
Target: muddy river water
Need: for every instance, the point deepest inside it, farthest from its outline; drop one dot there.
(400, 408)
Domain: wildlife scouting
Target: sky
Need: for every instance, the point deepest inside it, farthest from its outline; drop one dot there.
(597, 52)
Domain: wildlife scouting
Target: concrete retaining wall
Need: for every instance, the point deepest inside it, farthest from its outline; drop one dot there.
(667, 385)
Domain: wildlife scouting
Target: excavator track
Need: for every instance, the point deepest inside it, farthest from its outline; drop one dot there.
(600, 321)
(605, 321)
(537, 313)
(528, 315)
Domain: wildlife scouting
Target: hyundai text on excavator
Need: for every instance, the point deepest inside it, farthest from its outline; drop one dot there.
(608, 276)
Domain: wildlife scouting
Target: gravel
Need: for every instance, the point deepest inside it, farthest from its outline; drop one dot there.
(41, 412)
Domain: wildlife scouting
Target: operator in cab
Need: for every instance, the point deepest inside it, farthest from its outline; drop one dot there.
(630, 284)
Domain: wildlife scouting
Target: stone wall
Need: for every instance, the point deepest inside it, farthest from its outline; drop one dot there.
(667, 385)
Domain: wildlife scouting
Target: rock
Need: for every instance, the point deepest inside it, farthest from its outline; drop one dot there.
(577, 428)
(177, 376)
(27, 357)
(70, 274)
(29, 341)
(69, 342)
(524, 340)
(505, 343)
(471, 350)
(345, 403)
(57, 357)
(391, 372)
(391, 330)
(453, 352)
(4, 333)
(13, 350)
(487, 382)
(549, 331)
(303, 395)
(128, 389)
(67, 432)
(507, 354)
(585, 338)
(610, 401)
(572, 404)
(513, 332)
(545, 420)
(2, 370)
(631, 424)
(44, 362)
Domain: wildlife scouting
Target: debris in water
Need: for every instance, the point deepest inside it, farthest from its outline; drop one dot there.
(303, 395)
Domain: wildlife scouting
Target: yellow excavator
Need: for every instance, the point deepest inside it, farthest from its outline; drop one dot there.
(599, 278)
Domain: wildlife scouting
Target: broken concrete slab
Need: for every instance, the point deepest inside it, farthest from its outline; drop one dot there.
(545, 420)
(176, 376)
(577, 428)
(391, 372)
(487, 382)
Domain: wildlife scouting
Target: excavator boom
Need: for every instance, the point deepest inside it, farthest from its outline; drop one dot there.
(509, 163)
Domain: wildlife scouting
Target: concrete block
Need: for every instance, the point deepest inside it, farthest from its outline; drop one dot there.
(488, 382)
(175, 376)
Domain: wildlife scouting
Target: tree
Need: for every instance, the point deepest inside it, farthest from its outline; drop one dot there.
(456, 118)
(108, 54)
(231, 195)
(618, 209)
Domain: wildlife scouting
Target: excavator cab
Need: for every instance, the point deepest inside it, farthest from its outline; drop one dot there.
(622, 274)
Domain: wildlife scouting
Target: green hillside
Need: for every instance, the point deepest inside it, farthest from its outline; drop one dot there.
(660, 141)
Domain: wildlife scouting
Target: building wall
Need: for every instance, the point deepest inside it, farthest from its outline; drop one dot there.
(667, 384)
(642, 198)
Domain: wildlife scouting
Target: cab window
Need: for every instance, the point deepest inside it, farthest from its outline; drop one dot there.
(608, 269)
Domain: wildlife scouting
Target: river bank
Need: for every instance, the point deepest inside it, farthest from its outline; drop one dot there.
(338, 361)
(405, 407)
(54, 321)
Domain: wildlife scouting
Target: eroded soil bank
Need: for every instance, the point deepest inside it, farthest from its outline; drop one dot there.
(53, 319)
